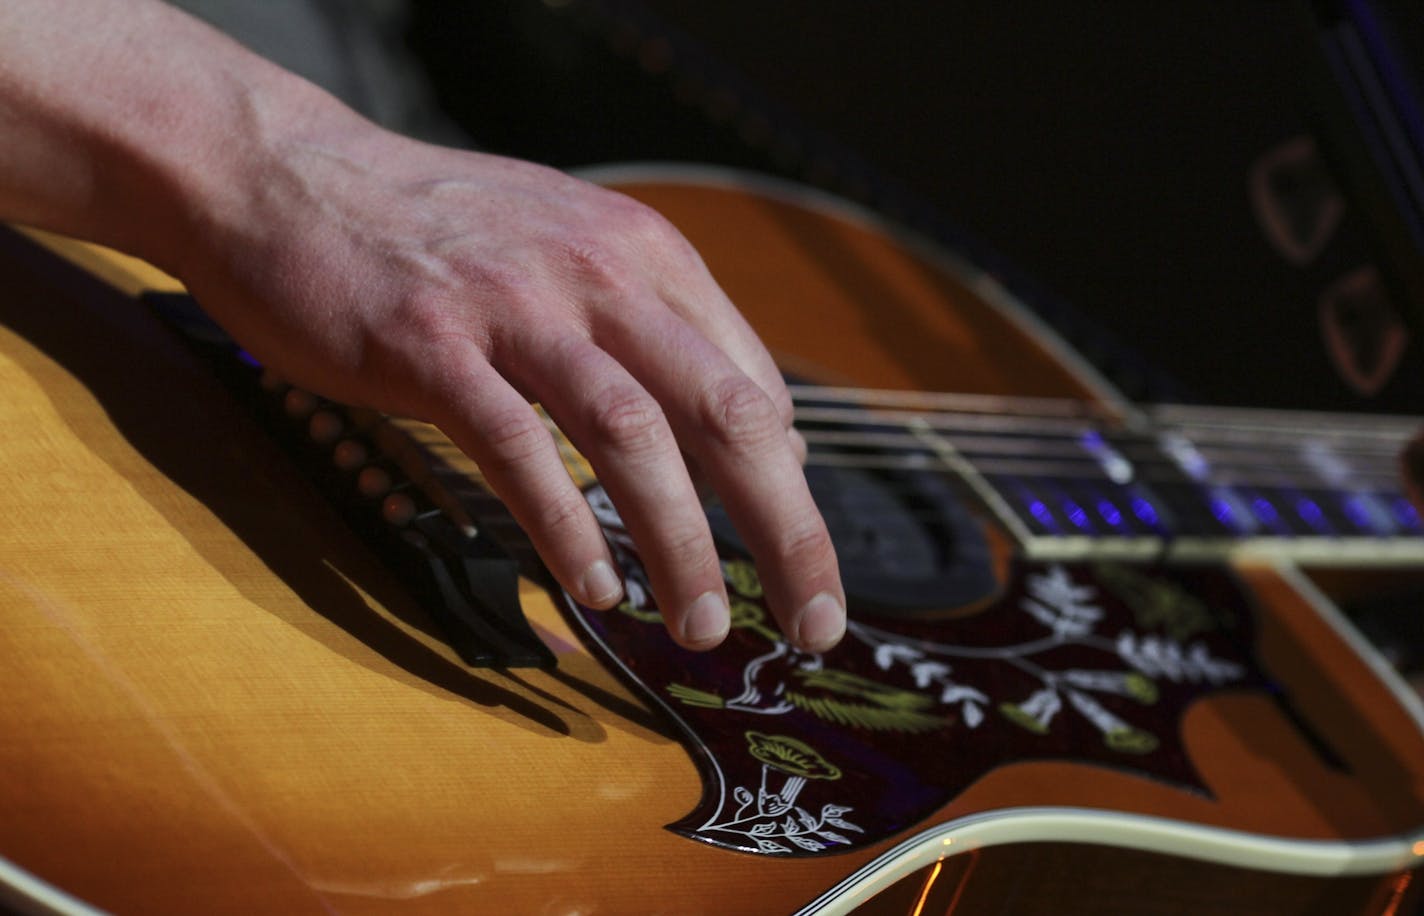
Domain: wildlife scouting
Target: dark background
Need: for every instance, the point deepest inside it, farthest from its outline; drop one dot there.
(1095, 155)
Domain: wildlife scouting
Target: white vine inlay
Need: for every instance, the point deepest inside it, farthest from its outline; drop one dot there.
(770, 817)
(1070, 613)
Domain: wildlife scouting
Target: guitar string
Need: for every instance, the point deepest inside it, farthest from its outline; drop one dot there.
(1380, 478)
(1078, 462)
(1361, 439)
(1374, 466)
(1224, 449)
(1065, 408)
(892, 444)
(1145, 454)
(914, 505)
(1053, 428)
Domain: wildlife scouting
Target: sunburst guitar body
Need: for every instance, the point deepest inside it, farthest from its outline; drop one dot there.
(1085, 671)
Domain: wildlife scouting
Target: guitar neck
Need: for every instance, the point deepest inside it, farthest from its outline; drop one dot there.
(1074, 481)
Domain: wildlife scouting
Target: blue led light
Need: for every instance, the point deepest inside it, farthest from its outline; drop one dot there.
(1038, 510)
(1076, 515)
(1406, 513)
(1265, 511)
(249, 359)
(1229, 508)
(1110, 513)
(1307, 509)
(1143, 510)
(1357, 513)
(1366, 512)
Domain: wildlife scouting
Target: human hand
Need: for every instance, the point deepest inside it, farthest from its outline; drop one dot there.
(459, 287)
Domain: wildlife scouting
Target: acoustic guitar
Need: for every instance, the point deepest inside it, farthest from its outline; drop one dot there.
(1085, 671)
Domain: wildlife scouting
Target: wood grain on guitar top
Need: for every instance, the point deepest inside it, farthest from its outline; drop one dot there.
(216, 700)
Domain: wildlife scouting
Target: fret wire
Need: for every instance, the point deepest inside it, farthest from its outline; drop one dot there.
(1262, 451)
(943, 421)
(1141, 454)
(950, 401)
(1165, 414)
(1245, 438)
(966, 442)
(1306, 421)
(1091, 470)
(1057, 430)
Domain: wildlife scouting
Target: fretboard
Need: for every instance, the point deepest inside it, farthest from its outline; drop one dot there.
(1068, 480)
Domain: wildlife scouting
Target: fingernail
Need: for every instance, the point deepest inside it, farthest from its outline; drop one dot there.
(601, 585)
(821, 623)
(706, 622)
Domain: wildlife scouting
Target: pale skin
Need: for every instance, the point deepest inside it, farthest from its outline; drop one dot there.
(423, 281)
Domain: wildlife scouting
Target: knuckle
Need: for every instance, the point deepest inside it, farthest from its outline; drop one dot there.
(785, 407)
(635, 217)
(685, 547)
(427, 328)
(586, 255)
(422, 314)
(631, 421)
(410, 354)
(592, 263)
(511, 440)
(647, 228)
(739, 414)
(805, 544)
(495, 280)
(561, 515)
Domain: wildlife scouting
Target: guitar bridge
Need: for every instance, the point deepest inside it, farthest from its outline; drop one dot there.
(460, 575)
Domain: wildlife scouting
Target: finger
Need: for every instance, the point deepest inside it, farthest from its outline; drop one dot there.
(519, 459)
(798, 445)
(728, 423)
(700, 301)
(621, 430)
(708, 494)
(690, 290)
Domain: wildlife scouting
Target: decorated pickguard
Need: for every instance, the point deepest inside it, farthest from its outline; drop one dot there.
(813, 753)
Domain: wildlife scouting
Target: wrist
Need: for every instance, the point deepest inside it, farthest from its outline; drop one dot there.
(136, 126)
(215, 181)
(184, 177)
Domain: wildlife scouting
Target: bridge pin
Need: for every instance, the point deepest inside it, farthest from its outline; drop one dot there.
(349, 455)
(398, 509)
(373, 482)
(324, 427)
(298, 403)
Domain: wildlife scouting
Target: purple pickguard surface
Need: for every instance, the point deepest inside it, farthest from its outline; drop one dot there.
(815, 753)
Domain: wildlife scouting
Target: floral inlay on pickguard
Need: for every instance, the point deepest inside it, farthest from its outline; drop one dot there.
(810, 753)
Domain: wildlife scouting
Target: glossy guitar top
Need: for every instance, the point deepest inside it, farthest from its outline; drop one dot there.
(218, 700)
